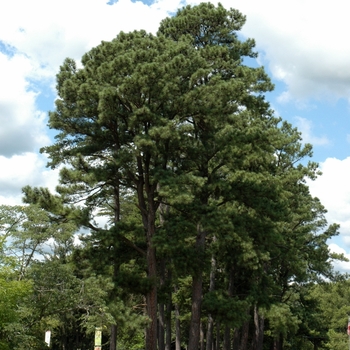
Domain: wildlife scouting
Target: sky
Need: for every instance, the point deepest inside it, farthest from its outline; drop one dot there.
(303, 45)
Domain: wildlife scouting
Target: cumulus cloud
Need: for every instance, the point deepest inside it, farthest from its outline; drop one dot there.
(21, 124)
(58, 29)
(22, 170)
(303, 43)
(333, 189)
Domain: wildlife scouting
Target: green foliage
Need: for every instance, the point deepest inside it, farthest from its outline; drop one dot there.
(281, 320)
(337, 341)
(334, 310)
(225, 309)
(12, 293)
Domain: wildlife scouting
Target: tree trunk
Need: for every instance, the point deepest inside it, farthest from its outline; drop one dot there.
(193, 341)
(258, 339)
(161, 309)
(245, 335)
(227, 338)
(177, 328)
(197, 293)
(151, 300)
(151, 296)
(277, 343)
(227, 334)
(168, 324)
(209, 344)
(148, 207)
(201, 341)
(236, 339)
(164, 321)
(113, 338)
(217, 336)
(161, 328)
(210, 326)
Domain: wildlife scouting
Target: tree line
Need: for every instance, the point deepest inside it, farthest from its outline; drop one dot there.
(197, 227)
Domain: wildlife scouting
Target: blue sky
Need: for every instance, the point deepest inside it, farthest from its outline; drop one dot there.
(303, 45)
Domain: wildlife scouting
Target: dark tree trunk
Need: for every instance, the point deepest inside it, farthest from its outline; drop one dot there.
(164, 330)
(151, 300)
(210, 326)
(227, 334)
(113, 338)
(161, 328)
(201, 341)
(197, 293)
(209, 344)
(258, 339)
(245, 335)
(148, 208)
(217, 336)
(114, 333)
(193, 341)
(161, 309)
(168, 324)
(177, 328)
(227, 338)
(277, 343)
(236, 339)
(151, 296)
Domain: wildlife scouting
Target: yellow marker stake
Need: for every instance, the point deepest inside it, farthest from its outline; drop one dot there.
(98, 338)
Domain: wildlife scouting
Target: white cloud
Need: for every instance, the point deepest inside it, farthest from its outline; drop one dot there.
(22, 170)
(304, 43)
(22, 126)
(58, 29)
(305, 127)
(333, 189)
